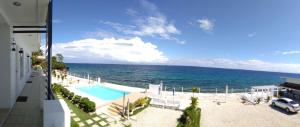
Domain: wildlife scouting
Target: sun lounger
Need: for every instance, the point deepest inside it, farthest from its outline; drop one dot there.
(249, 98)
(158, 102)
(173, 104)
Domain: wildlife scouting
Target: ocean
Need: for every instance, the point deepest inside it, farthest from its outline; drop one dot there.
(208, 79)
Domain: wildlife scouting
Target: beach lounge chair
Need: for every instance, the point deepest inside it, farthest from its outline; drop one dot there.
(174, 104)
(249, 98)
(158, 102)
(154, 89)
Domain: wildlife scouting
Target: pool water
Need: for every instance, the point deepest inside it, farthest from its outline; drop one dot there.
(103, 93)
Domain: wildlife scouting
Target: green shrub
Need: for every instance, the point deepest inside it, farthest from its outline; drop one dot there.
(76, 99)
(56, 88)
(65, 92)
(191, 115)
(131, 107)
(82, 102)
(138, 106)
(90, 107)
(71, 95)
(87, 105)
(140, 102)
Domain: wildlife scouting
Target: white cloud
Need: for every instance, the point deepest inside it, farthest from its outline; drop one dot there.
(155, 26)
(206, 24)
(240, 64)
(252, 34)
(133, 50)
(153, 23)
(131, 12)
(290, 52)
(99, 33)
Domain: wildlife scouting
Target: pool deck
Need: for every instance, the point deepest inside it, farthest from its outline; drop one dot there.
(71, 82)
(230, 112)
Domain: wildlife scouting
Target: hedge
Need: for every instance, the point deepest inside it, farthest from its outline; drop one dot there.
(87, 105)
(84, 103)
(138, 106)
(71, 95)
(76, 99)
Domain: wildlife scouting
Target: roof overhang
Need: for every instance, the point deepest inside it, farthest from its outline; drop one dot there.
(290, 85)
(28, 15)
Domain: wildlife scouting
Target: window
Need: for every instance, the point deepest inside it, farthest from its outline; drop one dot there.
(282, 101)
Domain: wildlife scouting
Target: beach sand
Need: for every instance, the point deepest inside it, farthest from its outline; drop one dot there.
(230, 112)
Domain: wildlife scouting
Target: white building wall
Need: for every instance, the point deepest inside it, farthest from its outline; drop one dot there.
(56, 114)
(5, 71)
(11, 84)
(13, 70)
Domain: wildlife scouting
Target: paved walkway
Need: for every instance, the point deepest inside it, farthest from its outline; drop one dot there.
(156, 117)
(100, 120)
(28, 114)
(235, 114)
(3, 114)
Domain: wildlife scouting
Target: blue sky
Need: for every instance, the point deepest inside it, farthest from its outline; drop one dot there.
(243, 34)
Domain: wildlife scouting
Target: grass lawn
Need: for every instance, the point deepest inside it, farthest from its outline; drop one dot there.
(82, 115)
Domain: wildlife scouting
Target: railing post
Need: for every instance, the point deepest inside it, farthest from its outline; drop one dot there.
(49, 47)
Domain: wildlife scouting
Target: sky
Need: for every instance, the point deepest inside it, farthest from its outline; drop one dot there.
(242, 34)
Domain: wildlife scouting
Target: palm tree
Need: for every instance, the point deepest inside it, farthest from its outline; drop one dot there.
(194, 102)
(194, 90)
(62, 78)
(54, 73)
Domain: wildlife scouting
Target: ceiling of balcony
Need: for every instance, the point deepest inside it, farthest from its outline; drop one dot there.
(24, 12)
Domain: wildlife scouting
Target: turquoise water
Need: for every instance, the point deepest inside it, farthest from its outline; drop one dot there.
(208, 79)
(102, 92)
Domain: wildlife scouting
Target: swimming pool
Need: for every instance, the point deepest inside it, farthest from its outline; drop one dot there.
(101, 92)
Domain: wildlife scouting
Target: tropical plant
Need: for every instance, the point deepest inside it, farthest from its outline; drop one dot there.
(194, 90)
(62, 78)
(194, 102)
(54, 73)
(191, 115)
(131, 107)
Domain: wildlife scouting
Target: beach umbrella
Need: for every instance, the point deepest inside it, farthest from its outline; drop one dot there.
(123, 103)
(159, 89)
(128, 109)
(173, 91)
(226, 91)
(173, 94)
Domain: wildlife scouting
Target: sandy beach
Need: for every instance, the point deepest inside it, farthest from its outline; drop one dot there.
(229, 112)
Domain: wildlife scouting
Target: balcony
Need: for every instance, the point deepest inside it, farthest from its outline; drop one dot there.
(32, 110)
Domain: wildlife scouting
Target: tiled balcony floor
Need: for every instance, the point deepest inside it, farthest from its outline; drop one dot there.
(29, 113)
